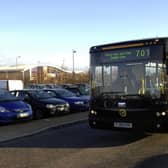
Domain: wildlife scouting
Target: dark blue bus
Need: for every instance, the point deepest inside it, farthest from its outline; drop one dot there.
(129, 85)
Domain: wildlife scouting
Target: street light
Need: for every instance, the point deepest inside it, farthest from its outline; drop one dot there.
(17, 60)
(17, 73)
(73, 64)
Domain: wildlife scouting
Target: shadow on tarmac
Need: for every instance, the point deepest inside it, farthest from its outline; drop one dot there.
(75, 136)
(154, 162)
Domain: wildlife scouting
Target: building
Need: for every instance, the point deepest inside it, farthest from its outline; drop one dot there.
(33, 74)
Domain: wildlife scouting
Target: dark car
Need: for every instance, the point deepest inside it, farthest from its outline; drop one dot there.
(77, 103)
(84, 88)
(13, 109)
(81, 90)
(72, 88)
(43, 104)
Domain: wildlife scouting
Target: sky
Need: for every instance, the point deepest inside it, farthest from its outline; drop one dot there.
(47, 31)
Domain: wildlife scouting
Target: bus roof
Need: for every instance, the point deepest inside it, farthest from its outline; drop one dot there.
(130, 43)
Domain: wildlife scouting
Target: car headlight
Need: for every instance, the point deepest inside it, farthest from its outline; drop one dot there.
(78, 102)
(50, 106)
(67, 104)
(3, 109)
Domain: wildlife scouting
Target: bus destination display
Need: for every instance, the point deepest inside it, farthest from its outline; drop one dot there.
(131, 54)
(128, 54)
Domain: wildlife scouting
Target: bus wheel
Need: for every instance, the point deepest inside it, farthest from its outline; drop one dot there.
(93, 124)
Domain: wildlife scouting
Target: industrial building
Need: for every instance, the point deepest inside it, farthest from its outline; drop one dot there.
(34, 74)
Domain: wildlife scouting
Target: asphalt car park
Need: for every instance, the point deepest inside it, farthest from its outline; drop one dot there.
(43, 104)
(77, 103)
(13, 109)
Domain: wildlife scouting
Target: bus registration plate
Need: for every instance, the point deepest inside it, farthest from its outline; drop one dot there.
(123, 125)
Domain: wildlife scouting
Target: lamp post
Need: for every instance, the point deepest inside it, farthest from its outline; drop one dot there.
(17, 60)
(17, 74)
(73, 65)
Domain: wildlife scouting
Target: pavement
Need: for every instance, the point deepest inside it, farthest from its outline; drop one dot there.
(18, 130)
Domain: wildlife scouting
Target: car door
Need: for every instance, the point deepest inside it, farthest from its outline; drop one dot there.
(37, 107)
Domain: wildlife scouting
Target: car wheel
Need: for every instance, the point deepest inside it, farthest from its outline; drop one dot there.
(52, 113)
(38, 114)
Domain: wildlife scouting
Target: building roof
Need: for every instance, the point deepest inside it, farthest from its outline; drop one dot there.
(26, 67)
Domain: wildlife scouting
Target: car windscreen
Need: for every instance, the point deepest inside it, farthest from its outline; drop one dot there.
(40, 94)
(64, 93)
(6, 96)
(75, 90)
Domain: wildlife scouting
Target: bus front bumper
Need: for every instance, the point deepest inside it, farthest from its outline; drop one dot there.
(150, 124)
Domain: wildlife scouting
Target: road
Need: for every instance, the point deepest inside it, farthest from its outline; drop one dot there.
(78, 146)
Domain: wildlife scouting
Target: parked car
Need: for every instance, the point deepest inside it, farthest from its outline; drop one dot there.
(42, 86)
(77, 103)
(13, 109)
(84, 88)
(43, 104)
(72, 88)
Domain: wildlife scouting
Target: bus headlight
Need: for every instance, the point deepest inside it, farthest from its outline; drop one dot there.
(93, 112)
(163, 113)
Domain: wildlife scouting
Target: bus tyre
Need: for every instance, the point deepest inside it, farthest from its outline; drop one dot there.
(93, 124)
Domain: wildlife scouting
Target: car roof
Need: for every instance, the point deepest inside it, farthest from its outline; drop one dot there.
(55, 89)
(18, 90)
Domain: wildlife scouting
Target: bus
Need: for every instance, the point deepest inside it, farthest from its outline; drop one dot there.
(129, 85)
